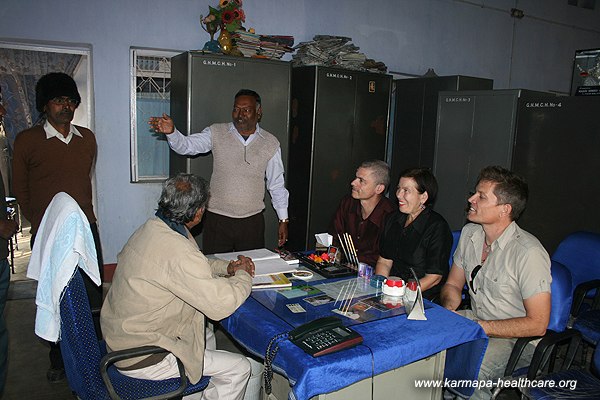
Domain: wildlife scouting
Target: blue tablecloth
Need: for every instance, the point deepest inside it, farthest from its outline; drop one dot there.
(388, 344)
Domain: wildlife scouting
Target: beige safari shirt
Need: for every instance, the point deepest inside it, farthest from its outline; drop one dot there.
(517, 268)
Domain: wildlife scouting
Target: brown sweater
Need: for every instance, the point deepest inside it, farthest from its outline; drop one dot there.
(43, 167)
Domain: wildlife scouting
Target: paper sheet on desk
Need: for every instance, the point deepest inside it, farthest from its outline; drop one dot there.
(272, 266)
(266, 262)
(255, 255)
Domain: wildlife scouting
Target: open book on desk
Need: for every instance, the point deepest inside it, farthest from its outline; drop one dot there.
(266, 262)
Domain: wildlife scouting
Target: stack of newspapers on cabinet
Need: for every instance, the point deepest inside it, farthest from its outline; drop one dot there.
(270, 267)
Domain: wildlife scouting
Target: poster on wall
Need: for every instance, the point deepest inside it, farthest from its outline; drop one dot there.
(586, 73)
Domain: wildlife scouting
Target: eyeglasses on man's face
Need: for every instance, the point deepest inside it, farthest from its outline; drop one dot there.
(473, 275)
(243, 110)
(64, 100)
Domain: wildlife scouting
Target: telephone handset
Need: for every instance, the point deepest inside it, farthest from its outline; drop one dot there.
(323, 336)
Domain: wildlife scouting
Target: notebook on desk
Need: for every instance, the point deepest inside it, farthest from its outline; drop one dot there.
(274, 281)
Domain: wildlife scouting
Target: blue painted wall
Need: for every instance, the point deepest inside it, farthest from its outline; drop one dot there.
(477, 38)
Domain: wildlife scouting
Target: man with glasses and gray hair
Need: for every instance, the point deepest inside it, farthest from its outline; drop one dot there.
(506, 269)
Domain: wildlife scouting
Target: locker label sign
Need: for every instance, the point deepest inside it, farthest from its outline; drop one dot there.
(219, 63)
(338, 76)
(545, 104)
(371, 86)
(458, 99)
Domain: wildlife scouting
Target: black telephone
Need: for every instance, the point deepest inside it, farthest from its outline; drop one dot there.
(319, 337)
(323, 336)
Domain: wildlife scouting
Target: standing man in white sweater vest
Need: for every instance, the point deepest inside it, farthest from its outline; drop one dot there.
(244, 156)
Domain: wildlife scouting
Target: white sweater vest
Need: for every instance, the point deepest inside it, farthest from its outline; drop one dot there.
(237, 184)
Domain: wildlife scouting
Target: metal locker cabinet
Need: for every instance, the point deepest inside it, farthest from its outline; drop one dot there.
(556, 150)
(339, 118)
(415, 118)
(475, 129)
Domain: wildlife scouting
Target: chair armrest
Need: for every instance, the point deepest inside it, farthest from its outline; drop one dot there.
(515, 355)
(541, 355)
(544, 348)
(120, 355)
(580, 293)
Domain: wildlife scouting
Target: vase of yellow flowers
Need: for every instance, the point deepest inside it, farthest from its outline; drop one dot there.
(228, 16)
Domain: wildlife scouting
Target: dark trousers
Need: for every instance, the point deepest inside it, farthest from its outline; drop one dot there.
(94, 294)
(4, 283)
(223, 234)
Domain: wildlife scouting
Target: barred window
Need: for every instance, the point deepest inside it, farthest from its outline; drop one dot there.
(150, 96)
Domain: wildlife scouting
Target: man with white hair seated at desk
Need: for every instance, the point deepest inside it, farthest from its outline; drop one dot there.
(163, 290)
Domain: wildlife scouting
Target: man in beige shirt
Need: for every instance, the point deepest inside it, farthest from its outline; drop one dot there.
(506, 269)
(163, 290)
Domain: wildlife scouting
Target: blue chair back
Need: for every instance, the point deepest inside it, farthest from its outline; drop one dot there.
(580, 253)
(79, 345)
(562, 296)
(455, 238)
(82, 352)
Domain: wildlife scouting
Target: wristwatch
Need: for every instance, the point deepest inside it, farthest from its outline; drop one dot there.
(286, 220)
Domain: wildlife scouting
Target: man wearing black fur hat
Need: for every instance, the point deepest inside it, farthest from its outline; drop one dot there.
(56, 156)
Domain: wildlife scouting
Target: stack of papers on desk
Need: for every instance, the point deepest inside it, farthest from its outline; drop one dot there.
(266, 262)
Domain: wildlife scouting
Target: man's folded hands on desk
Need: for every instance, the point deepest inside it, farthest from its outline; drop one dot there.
(242, 263)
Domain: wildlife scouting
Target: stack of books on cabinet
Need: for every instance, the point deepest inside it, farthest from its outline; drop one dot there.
(267, 46)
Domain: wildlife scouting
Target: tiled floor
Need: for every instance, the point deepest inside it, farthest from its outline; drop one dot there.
(28, 357)
(27, 354)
